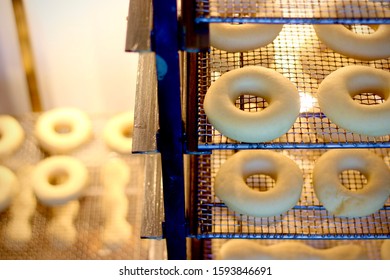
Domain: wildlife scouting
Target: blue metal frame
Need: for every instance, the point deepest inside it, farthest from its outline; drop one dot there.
(165, 43)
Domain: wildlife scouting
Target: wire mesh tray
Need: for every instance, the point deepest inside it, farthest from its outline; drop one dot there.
(90, 221)
(293, 11)
(371, 247)
(298, 55)
(307, 220)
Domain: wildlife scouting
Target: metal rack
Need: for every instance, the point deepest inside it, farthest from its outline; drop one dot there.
(184, 129)
(292, 11)
(298, 55)
(307, 220)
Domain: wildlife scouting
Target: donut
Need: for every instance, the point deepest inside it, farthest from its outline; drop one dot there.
(59, 179)
(348, 43)
(118, 131)
(339, 200)
(9, 186)
(359, 46)
(11, 135)
(231, 187)
(62, 130)
(233, 37)
(115, 177)
(385, 250)
(290, 250)
(242, 37)
(261, 126)
(335, 98)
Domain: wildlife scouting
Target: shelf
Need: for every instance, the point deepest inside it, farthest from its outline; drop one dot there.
(371, 247)
(90, 219)
(298, 55)
(293, 11)
(307, 220)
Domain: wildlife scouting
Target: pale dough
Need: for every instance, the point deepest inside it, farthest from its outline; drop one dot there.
(261, 126)
(339, 200)
(59, 179)
(231, 187)
(335, 98)
(11, 135)
(63, 130)
(288, 250)
(115, 177)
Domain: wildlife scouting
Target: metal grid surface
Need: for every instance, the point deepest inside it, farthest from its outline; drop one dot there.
(371, 247)
(90, 219)
(298, 55)
(293, 11)
(307, 220)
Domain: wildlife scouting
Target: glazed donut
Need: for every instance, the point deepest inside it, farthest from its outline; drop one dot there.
(335, 98)
(231, 187)
(117, 133)
(342, 202)
(9, 186)
(11, 135)
(359, 46)
(63, 130)
(59, 179)
(265, 125)
(240, 249)
(242, 37)
(385, 250)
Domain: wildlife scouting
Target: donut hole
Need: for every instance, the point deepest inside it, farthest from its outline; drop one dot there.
(367, 98)
(362, 28)
(58, 177)
(260, 182)
(63, 128)
(127, 132)
(353, 180)
(251, 103)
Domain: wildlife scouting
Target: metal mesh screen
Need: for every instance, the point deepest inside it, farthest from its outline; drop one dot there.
(371, 247)
(308, 219)
(298, 55)
(293, 11)
(89, 222)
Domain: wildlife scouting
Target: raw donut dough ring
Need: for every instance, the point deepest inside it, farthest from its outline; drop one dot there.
(9, 186)
(247, 36)
(11, 135)
(77, 126)
(360, 46)
(346, 42)
(342, 202)
(232, 189)
(118, 133)
(289, 250)
(242, 37)
(335, 98)
(72, 175)
(265, 125)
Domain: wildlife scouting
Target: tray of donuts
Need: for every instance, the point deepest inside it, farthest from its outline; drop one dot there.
(295, 89)
(241, 249)
(69, 188)
(287, 11)
(297, 193)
